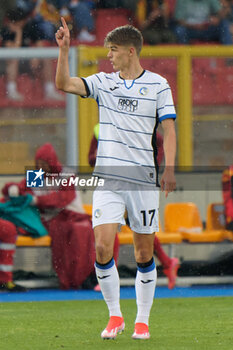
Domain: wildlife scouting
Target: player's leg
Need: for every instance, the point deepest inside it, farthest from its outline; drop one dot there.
(145, 283)
(108, 207)
(108, 278)
(142, 207)
(8, 235)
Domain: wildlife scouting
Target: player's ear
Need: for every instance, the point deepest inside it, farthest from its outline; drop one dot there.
(131, 51)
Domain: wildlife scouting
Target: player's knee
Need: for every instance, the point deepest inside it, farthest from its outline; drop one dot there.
(142, 256)
(103, 252)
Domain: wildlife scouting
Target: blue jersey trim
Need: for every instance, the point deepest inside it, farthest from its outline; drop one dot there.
(130, 85)
(167, 116)
(105, 267)
(147, 269)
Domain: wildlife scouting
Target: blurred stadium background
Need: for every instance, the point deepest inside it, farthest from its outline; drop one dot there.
(201, 78)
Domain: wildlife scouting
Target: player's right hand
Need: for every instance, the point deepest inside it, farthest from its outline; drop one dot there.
(63, 35)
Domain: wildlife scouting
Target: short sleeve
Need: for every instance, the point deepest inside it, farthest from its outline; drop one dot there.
(165, 104)
(92, 84)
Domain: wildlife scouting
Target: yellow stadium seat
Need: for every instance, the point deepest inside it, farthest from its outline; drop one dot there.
(216, 219)
(88, 209)
(26, 241)
(185, 218)
(126, 236)
(168, 238)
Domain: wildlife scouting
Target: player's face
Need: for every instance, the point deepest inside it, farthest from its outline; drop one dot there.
(118, 56)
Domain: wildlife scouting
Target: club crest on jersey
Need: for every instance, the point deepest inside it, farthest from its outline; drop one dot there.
(125, 104)
(143, 91)
(97, 213)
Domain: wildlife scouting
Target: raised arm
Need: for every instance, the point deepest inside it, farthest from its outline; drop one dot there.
(64, 81)
(168, 181)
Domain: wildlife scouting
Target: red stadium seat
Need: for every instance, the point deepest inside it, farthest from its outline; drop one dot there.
(33, 92)
(107, 20)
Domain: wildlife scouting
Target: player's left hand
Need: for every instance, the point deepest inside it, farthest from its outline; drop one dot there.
(168, 181)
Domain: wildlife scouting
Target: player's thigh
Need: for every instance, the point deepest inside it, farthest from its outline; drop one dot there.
(142, 207)
(104, 242)
(108, 208)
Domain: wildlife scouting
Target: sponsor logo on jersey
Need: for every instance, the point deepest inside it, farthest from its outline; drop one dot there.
(143, 91)
(125, 104)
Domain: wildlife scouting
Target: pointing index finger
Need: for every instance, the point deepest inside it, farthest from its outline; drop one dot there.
(64, 23)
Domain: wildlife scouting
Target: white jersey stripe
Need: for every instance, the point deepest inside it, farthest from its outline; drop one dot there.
(163, 90)
(125, 160)
(133, 147)
(117, 176)
(121, 160)
(137, 83)
(127, 130)
(117, 96)
(98, 78)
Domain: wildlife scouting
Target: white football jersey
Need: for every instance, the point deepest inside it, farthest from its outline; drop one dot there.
(129, 113)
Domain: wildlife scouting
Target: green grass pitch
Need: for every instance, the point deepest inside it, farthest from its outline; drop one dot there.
(177, 324)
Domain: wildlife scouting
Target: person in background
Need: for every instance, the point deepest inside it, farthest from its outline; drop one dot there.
(227, 6)
(6, 5)
(8, 235)
(78, 14)
(24, 27)
(170, 265)
(12, 37)
(117, 4)
(201, 20)
(156, 27)
(81, 11)
(73, 250)
(227, 193)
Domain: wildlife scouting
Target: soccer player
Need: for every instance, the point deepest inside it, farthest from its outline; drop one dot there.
(131, 101)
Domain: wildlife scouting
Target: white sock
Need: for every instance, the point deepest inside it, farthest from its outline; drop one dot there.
(109, 282)
(145, 289)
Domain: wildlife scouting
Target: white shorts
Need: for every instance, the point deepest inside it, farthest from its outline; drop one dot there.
(142, 208)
